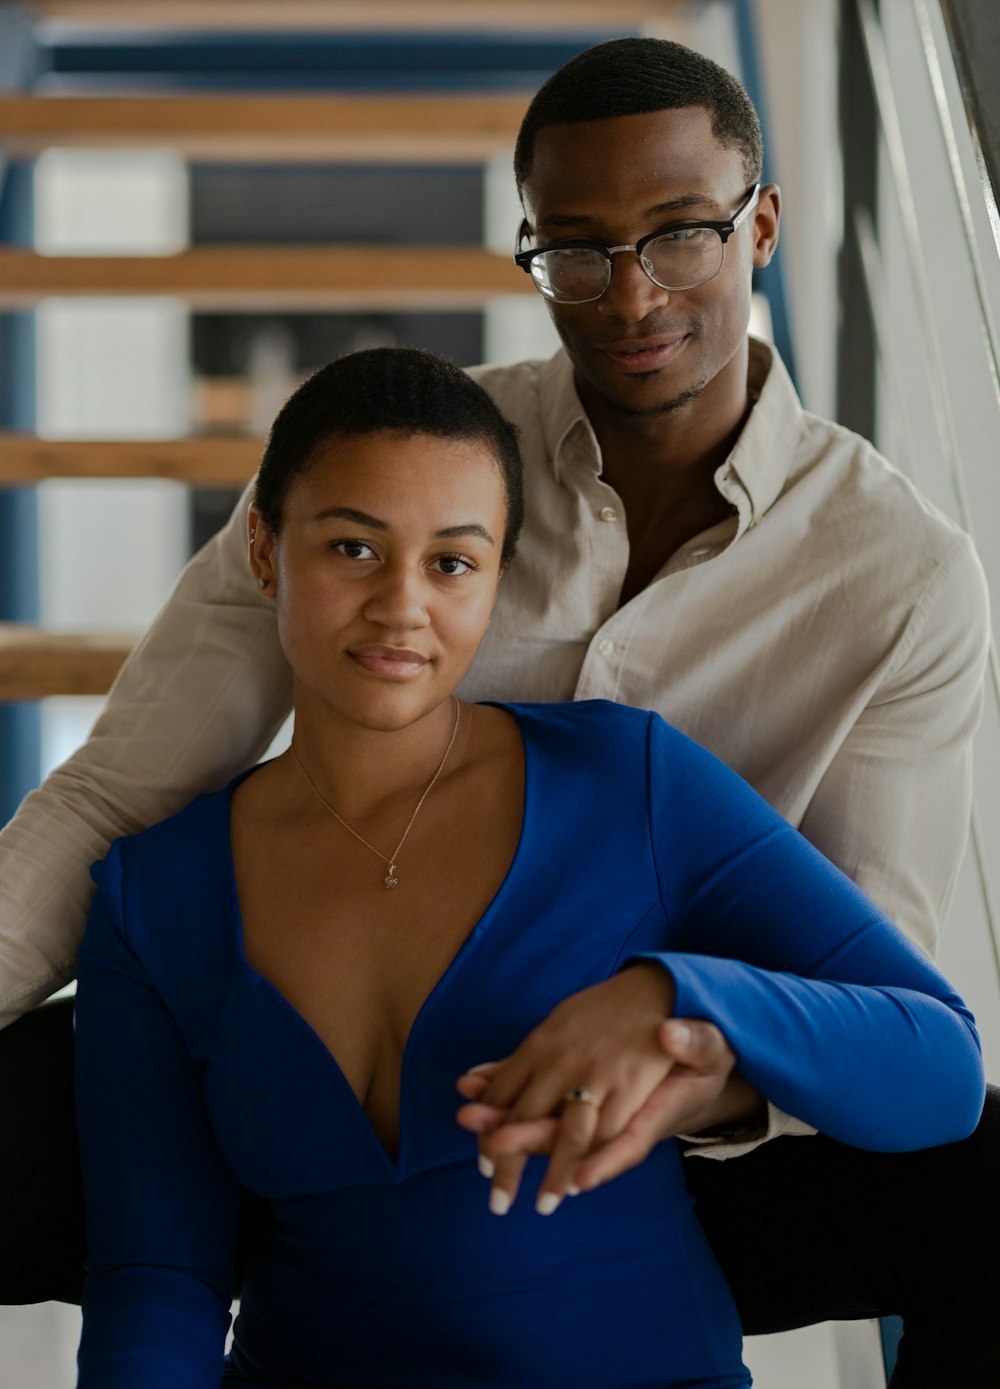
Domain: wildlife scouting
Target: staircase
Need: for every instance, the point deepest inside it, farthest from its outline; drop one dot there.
(233, 127)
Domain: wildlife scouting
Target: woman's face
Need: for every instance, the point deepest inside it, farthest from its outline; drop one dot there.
(384, 572)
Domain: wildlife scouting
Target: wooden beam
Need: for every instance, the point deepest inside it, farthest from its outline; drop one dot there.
(358, 15)
(365, 127)
(35, 664)
(253, 277)
(212, 461)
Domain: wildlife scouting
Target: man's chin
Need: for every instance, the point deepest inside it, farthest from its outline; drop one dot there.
(632, 411)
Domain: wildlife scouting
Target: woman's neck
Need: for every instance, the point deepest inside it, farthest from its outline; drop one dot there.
(364, 773)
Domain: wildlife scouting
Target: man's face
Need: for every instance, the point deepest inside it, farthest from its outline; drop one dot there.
(642, 349)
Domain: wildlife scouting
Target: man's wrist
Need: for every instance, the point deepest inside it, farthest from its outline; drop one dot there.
(738, 1114)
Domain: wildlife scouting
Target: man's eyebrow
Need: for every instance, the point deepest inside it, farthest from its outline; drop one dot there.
(350, 513)
(679, 204)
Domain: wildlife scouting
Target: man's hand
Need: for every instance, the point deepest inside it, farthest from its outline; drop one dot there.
(690, 1087)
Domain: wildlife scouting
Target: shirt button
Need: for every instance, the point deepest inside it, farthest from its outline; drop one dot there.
(606, 647)
(608, 513)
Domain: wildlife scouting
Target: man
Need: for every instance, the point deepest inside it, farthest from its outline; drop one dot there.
(695, 543)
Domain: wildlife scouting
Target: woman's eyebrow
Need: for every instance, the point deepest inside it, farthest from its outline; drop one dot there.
(472, 529)
(351, 513)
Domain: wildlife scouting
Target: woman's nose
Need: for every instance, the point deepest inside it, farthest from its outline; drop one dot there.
(398, 599)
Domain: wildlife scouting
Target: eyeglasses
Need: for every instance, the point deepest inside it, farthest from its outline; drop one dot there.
(682, 256)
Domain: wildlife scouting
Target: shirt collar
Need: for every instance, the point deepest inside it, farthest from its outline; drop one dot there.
(763, 455)
(756, 470)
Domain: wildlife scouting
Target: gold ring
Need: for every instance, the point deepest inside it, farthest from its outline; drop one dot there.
(581, 1095)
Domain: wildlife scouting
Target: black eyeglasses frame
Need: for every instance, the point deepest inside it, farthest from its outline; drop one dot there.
(724, 229)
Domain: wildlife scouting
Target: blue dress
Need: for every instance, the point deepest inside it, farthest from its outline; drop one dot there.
(197, 1081)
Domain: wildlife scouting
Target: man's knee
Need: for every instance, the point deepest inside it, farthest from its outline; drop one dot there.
(41, 1202)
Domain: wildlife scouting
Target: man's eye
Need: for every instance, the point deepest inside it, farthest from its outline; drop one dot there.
(683, 234)
(354, 549)
(453, 565)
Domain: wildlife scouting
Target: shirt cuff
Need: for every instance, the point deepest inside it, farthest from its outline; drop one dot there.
(740, 1141)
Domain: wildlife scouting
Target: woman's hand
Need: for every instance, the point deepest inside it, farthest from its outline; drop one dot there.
(699, 1088)
(603, 1042)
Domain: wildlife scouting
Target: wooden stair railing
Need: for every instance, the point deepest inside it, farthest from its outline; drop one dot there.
(208, 461)
(253, 277)
(361, 127)
(290, 128)
(34, 663)
(357, 15)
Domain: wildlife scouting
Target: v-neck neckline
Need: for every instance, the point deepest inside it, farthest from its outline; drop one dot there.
(397, 1166)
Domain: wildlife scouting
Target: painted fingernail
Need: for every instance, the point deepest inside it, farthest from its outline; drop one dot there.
(486, 1167)
(547, 1203)
(483, 1066)
(572, 1191)
(499, 1201)
(681, 1034)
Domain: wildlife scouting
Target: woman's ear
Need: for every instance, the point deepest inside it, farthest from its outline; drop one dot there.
(260, 543)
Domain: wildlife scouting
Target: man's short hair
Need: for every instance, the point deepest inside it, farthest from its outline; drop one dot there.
(633, 77)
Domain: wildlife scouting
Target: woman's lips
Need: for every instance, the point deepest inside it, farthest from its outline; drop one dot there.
(640, 357)
(395, 663)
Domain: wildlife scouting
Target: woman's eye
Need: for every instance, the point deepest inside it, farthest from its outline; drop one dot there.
(452, 565)
(354, 549)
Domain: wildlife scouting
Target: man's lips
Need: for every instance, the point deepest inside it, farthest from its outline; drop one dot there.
(643, 354)
(396, 662)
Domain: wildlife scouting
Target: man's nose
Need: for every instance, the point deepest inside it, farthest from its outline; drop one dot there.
(631, 295)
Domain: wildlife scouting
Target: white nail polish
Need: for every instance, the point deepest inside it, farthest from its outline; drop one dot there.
(572, 1191)
(548, 1203)
(499, 1201)
(486, 1167)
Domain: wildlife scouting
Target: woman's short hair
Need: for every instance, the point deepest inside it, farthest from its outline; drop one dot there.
(633, 77)
(387, 388)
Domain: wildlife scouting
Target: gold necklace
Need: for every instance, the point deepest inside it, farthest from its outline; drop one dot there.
(390, 879)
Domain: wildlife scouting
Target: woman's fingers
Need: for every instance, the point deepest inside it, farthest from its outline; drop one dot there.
(508, 1171)
(596, 1048)
(613, 1158)
(575, 1136)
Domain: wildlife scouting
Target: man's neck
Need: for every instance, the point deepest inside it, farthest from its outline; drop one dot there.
(663, 468)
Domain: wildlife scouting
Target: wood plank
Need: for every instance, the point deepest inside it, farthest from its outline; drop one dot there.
(35, 664)
(212, 461)
(358, 15)
(339, 277)
(367, 127)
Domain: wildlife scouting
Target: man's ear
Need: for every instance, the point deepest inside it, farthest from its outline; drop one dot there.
(766, 216)
(260, 544)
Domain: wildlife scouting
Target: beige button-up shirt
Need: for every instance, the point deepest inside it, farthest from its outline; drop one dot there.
(828, 642)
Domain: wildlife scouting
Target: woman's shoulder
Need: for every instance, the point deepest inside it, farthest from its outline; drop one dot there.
(173, 869)
(598, 727)
(190, 831)
(579, 716)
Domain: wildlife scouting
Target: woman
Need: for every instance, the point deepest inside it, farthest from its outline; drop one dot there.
(280, 985)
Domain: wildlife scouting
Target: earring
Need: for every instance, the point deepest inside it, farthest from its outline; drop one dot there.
(253, 536)
(262, 583)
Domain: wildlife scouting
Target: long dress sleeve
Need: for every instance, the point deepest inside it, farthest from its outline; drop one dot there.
(161, 1204)
(832, 1012)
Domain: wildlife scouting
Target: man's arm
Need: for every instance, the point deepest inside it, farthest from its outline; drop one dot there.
(199, 699)
(892, 809)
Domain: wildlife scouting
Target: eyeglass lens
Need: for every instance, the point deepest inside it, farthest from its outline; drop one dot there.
(677, 260)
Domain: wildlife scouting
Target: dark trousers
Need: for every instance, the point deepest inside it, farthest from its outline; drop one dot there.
(805, 1229)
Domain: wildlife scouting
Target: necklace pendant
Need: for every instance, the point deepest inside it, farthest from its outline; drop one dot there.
(390, 879)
